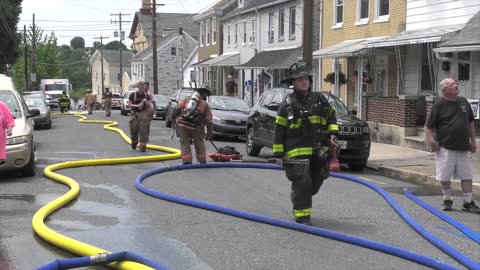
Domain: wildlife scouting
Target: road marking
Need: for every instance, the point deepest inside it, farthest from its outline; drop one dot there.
(378, 182)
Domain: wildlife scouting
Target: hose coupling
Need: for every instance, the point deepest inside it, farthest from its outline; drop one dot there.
(99, 259)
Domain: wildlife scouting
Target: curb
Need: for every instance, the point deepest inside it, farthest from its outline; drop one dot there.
(416, 177)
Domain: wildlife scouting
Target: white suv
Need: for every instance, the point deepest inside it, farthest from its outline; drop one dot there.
(20, 146)
(125, 110)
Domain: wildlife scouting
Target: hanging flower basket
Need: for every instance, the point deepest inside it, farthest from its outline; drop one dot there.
(330, 78)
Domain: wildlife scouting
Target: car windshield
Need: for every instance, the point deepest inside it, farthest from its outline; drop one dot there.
(53, 87)
(337, 104)
(228, 104)
(8, 97)
(34, 101)
(160, 100)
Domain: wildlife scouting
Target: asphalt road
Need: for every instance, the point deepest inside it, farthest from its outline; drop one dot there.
(110, 213)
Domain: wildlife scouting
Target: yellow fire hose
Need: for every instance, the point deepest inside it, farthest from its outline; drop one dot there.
(67, 243)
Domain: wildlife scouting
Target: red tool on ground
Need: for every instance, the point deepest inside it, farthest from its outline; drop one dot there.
(226, 153)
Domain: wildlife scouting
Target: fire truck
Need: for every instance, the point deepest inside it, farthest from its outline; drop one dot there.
(53, 89)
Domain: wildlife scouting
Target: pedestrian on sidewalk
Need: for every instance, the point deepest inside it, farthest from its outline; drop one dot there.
(305, 127)
(450, 131)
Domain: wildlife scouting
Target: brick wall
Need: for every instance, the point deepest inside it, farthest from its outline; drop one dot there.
(392, 111)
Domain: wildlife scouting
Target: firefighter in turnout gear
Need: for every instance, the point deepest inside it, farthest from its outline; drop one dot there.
(139, 120)
(305, 126)
(64, 102)
(192, 116)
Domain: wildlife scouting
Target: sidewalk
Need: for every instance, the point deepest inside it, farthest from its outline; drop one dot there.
(413, 165)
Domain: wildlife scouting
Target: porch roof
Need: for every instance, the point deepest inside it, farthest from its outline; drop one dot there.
(468, 39)
(224, 60)
(200, 62)
(276, 59)
(347, 48)
(419, 36)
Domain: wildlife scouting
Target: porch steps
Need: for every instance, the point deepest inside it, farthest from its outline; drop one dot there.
(417, 141)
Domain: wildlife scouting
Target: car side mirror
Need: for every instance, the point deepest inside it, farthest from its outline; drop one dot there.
(354, 112)
(173, 100)
(273, 106)
(33, 113)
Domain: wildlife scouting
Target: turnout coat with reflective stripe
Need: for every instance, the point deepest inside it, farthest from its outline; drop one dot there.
(297, 137)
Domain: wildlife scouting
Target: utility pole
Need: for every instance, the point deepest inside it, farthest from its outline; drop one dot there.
(307, 32)
(154, 45)
(101, 60)
(180, 46)
(34, 55)
(122, 37)
(25, 51)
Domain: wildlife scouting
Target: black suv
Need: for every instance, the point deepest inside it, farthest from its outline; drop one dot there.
(179, 95)
(353, 139)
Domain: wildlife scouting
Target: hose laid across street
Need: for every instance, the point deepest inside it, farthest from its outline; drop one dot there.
(427, 261)
(67, 243)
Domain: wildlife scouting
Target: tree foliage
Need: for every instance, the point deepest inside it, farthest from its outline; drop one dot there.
(75, 65)
(77, 43)
(9, 39)
(115, 45)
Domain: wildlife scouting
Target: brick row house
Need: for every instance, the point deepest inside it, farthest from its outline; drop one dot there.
(390, 54)
(177, 48)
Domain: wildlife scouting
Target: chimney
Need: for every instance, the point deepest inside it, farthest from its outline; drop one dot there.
(146, 7)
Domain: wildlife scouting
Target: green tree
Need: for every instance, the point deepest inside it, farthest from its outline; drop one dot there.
(9, 39)
(77, 43)
(115, 45)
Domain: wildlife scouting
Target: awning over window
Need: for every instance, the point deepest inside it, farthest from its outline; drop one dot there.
(224, 60)
(347, 48)
(276, 59)
(468, 39)
(420, 36)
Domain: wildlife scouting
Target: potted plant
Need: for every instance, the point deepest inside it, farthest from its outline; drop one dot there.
(330, 78)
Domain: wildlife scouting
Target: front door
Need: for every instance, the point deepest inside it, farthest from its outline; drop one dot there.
(463, 71)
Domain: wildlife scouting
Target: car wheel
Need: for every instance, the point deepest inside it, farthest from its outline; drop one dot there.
(49, 124)
(358, 166)
(29, 170)
(252, 148)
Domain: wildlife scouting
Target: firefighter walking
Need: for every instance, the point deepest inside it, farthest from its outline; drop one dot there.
(139, 122)
(305, 126)
(64, 102)
(192, 116)
(107, 102)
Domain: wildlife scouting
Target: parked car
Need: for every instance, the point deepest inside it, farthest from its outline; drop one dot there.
(229, 115)
(179, 95)
(21, 145)
(161, 102)
(36, 101)
(353, 139)
(125, 110)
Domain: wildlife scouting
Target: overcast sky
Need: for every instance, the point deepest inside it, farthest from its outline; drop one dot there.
(91, 18)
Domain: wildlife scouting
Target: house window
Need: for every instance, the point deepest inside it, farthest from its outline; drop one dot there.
(214, 30)
(382, 10)
(281, 24)
(96, 76)
(252, 40)
(202, 40)
(463, 68)
(425, 80)
(292, 24)
(381, 81)
(244, 32)
(362, 11)
(270, 27)
(228, 34)
(208, 30)
(173, 51)
(236, 33)
(338, 13)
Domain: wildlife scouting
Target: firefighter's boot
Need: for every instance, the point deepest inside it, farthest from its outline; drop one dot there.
(143, 147)
(134, 145)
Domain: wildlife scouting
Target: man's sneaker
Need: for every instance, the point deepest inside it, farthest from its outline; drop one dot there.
(303, 220)
(447, 205)
(470, 207)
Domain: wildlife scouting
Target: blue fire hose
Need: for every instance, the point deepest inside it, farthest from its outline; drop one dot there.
(101, 259)
(427, 261)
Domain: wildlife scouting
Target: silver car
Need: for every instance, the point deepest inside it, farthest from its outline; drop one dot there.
(36, 101)
(20, 146)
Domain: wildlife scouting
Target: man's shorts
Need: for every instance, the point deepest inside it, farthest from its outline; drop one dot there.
(453, 164)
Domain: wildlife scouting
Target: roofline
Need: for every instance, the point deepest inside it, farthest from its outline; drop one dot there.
(278, 2)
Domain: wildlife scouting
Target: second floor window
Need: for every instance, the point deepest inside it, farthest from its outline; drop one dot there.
(244, 32)
(382, 9)
(228, 34)
(208, 30)
(338, 12)
(292, 23)
(202, 35)
(173, 51)
(252, 40)
(236, 33)
(270, 27)
(281, 24)
(214, 30)
(362, 10)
